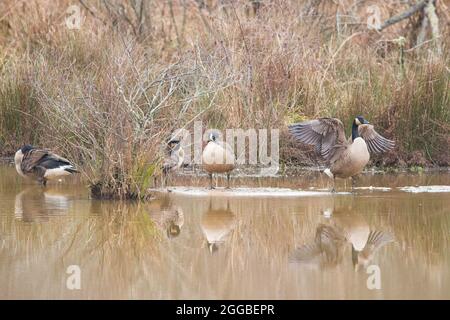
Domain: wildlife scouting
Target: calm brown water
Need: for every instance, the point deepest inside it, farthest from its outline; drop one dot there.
(198, 246)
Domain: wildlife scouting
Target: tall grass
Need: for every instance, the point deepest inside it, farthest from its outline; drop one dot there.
(108, 95)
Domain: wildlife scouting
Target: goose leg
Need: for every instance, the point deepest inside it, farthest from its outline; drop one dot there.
(353, 184)
(228, 181)
(211, 181)
(168, 182)
(44, 182)
(333, 189)
(163, 180)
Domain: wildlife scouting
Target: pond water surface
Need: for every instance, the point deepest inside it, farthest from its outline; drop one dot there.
(254, 243)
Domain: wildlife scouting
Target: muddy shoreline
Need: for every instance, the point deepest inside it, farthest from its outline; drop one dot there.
(288, 170)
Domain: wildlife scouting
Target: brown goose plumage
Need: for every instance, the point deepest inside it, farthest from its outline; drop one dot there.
(326, 250)
(344, 157)
(41, 164)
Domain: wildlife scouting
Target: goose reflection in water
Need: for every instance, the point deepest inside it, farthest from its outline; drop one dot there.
(217, 224)
(333, 238)
(168, 218)
(35, 204)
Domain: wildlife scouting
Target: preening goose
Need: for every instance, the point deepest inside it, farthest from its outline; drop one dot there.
(37, 204)
(168, 218)
(41, 164)
(217, 157)
(344, 157)
(174, 159)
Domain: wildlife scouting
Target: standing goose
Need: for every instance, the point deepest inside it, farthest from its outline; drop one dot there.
(344, 157)
(217, 157)
(41, 164)
(217, 224)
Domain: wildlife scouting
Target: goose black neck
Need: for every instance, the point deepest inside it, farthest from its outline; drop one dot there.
(355, 133)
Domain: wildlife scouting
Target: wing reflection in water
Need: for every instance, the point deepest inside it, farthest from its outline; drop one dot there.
(325, 250)
(168, 218)
(216, 224)
(36, 204)
(333, 238)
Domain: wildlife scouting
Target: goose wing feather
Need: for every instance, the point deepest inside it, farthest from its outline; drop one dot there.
(376, 143)
(376, 240)
(326, 134)
(306, 253)
(42, 158)
(170, 162)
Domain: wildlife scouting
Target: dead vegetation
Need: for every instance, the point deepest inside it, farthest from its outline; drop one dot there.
(109, 93)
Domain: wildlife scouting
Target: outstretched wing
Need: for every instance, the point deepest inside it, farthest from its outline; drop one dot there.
(306, 253)
(326, 134)
(375, 142)
(375, 241)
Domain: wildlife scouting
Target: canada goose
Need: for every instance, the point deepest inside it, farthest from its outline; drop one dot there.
(34, 204)
(216, 225)
(365, 242)
(326, 250)
(174, 159)
(345, 228)
(217, 157)
(375, 240)
(344, 157)
(41, 164)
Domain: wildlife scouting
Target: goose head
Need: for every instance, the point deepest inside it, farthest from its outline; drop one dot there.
(24, 149)
(359, 120)
(173, 142)
(18, 157)
(213, 136)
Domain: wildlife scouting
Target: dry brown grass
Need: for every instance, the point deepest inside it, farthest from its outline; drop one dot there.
(109, 94)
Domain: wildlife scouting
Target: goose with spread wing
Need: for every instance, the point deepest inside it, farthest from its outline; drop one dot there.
(41, 164)
(344, 157)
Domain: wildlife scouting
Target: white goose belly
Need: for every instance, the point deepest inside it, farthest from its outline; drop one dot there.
(217, 159)
(355, 160)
